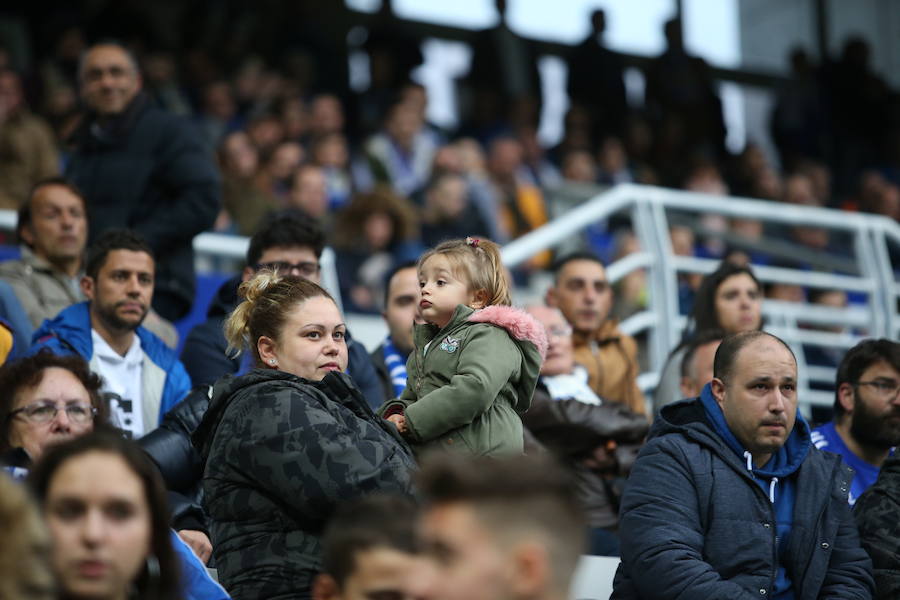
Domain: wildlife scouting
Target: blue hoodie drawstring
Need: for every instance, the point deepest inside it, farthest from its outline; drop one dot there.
(772, 482)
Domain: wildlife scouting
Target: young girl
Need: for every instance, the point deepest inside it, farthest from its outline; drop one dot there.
(476, 359)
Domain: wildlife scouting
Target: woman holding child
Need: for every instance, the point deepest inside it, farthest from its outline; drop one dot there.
(285, 443)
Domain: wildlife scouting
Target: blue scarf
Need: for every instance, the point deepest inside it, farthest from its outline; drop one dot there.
(396, 365)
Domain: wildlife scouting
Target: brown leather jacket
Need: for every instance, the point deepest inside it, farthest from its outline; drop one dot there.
(610, 358)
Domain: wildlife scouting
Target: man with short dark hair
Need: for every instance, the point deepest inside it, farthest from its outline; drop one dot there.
(142, 168)
(137, 367)
(401, 311)
(729, 499)
(582, 292)
(866, 423)
(292, 243)
(697, 362)
(369, 551)
(508, 528)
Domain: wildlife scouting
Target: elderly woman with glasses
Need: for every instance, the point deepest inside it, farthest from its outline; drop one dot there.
(46, 399)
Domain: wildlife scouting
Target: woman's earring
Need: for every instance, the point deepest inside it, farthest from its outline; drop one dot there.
(272, 361)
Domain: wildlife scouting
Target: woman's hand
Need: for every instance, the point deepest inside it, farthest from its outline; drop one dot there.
(198, 542)
(399, 421)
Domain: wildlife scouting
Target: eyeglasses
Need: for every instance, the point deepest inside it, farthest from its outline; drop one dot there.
(884, 387)
(305, 269)
(44, 412)
(559, 331)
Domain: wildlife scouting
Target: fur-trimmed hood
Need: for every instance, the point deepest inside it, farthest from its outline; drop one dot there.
(520, 325)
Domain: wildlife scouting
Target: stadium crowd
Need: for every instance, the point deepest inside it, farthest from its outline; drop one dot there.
(482, 449)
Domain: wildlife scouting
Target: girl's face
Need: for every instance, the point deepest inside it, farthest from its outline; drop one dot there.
(311, 343)
(739, 304)
(442, 291)
(99, 519)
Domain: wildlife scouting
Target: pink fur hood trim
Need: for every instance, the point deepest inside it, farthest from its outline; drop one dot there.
(518, 323)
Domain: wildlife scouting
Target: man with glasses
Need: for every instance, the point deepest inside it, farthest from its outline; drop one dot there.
(291, 243)
(866, 423)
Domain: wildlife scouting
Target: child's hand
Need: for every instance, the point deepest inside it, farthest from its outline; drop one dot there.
(399, 422)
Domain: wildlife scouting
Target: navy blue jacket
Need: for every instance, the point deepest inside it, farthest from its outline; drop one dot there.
(694, 522)
(149, 171)
(204, 354)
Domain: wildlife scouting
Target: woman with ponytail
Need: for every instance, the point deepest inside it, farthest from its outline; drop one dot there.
(476, 360)
(285, 443)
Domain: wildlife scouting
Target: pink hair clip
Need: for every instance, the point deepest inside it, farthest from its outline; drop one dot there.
(470, 241)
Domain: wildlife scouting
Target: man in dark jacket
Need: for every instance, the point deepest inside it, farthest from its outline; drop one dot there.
(292, 243)
(401, 310)
(142, 168)
(729, 498)
(878, 516)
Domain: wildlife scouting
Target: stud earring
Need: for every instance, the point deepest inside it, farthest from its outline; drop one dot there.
(272, 361)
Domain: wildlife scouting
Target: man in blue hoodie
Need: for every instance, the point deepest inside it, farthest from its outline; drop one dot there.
(729, 498)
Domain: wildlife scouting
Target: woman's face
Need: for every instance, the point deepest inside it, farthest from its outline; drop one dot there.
(34, 427)
(739, 304)
(311, 343)
(99, 519)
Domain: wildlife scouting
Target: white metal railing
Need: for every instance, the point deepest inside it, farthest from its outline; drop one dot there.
(650, 208)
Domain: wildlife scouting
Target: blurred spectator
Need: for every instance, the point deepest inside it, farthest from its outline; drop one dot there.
(878, 518)
(140, 167)
(162, 85)
(799, 123)
(27, 146)
(266, 132)
(373, 234)
(369, 550)
(243, 202)
(729, 301)
(596, 80)
(578, 167)
(467, 156)
(130, 549)
(631, 290)
(401, 311)
(276, 177)
(330, 152)
(218, 117)
(597, 440)
(503, 72)
(292, 243)
(612, 162)
(326, 116)
(825, 355)
(309, 193)
(25, 570)
(705, 178)
(401, 155)
(682, 99)
(697, 362)
(583, 293)
(15, 329)
(142, 374)
(542, 172)
(521, 204)
(498, 528)
(448, 213)
(53, 228)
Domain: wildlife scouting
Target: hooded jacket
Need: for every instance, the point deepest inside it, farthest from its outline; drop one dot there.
(466, 391)
(279, 454)
(695, 522)
(164, 380)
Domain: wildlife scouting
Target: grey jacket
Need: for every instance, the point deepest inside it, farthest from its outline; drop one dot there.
(42, 291)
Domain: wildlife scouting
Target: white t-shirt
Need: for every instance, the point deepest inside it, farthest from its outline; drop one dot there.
(122, 375)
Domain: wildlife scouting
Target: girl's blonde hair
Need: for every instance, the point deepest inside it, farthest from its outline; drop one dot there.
(268, 298)
(479, 262)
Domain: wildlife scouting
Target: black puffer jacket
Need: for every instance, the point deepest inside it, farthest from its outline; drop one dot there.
(280, 452)
(179, 462)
